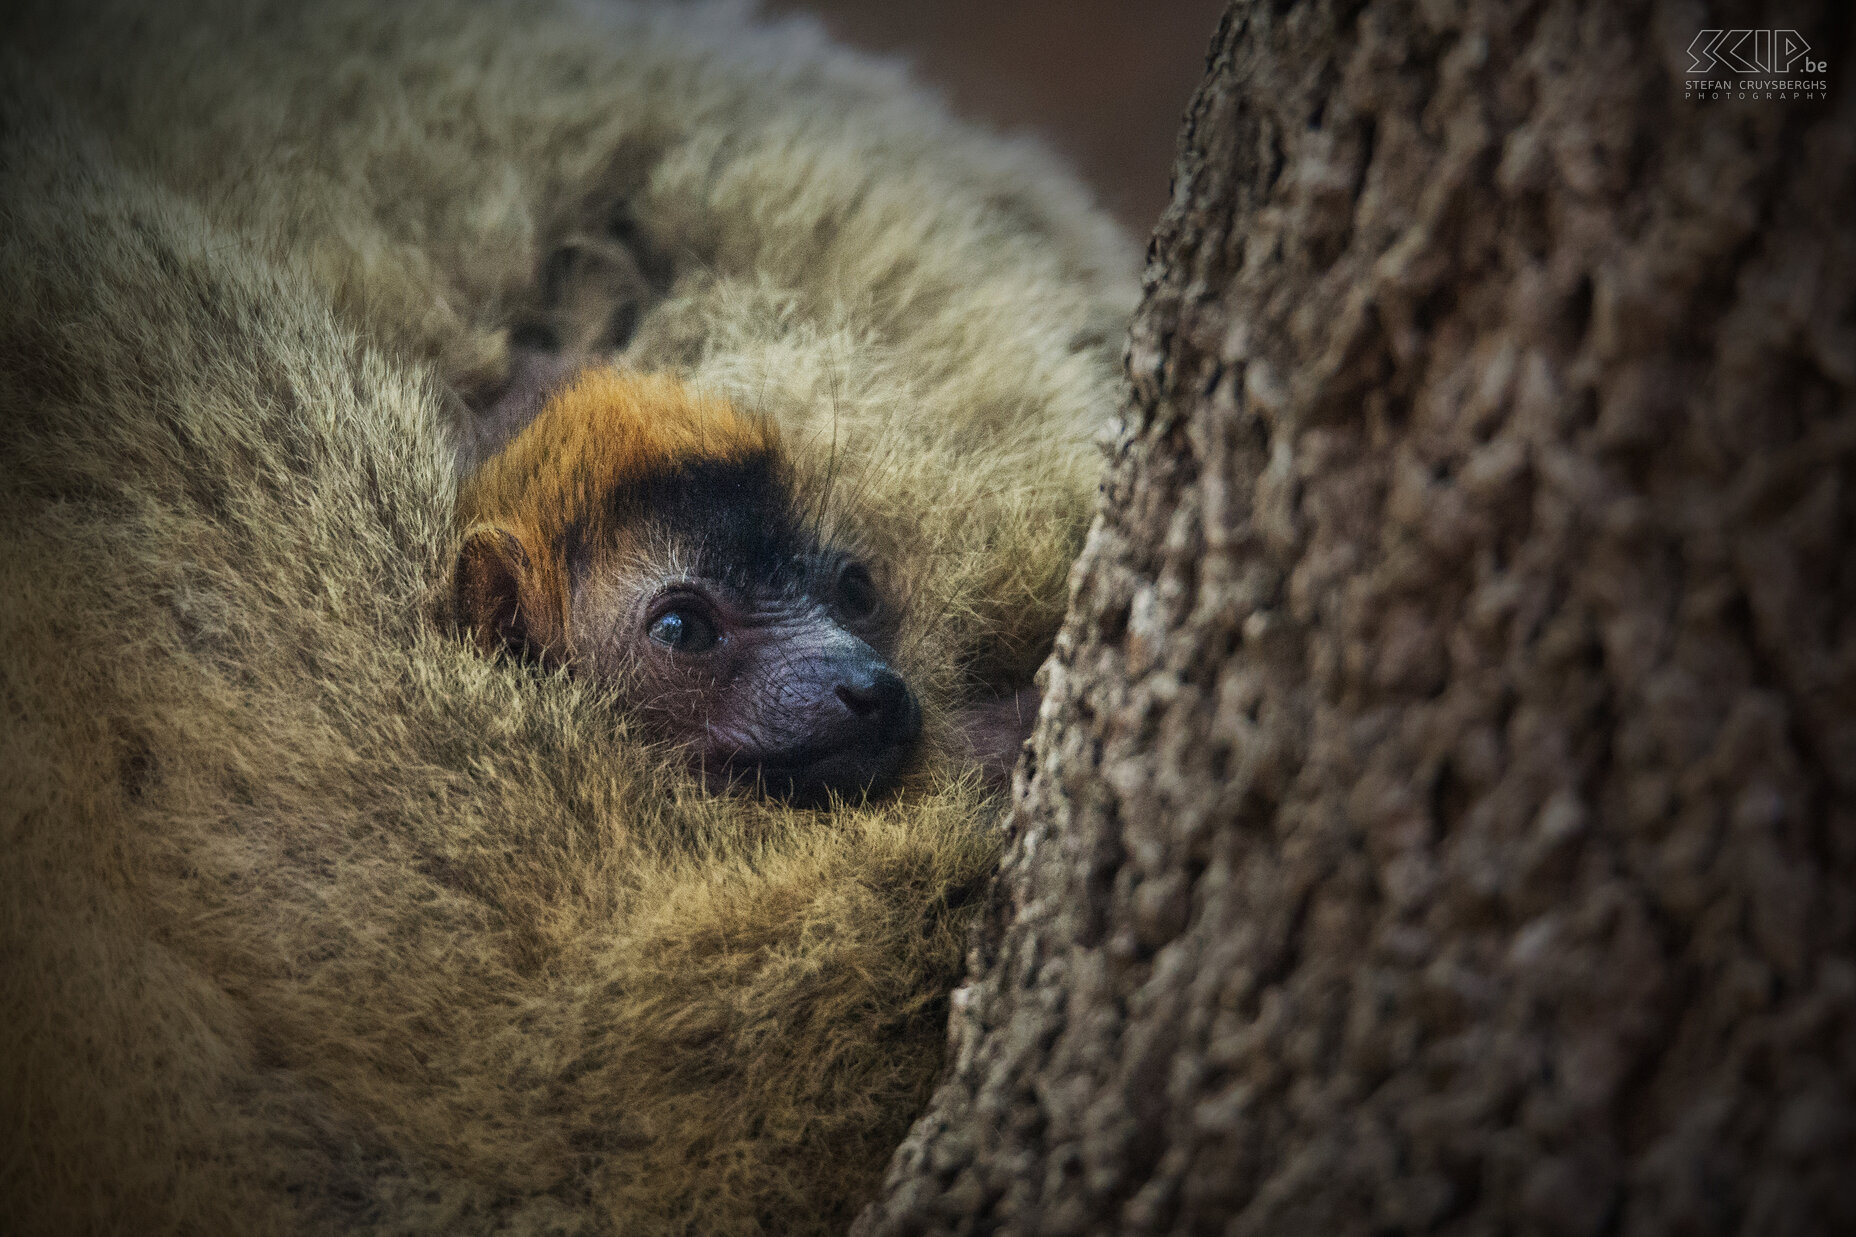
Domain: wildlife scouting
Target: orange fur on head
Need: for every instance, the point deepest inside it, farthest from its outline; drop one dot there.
(550, 483)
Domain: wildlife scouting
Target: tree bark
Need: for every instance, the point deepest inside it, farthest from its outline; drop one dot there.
(1443, 814)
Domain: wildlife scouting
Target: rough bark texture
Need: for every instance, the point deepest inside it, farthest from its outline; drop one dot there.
(1444, 813)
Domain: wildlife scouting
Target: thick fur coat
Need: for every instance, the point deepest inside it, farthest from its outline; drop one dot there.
(313, 919)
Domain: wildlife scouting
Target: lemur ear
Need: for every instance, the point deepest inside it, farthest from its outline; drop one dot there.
(494, 588)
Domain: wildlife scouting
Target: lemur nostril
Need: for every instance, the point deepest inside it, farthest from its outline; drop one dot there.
(861, 700)
(883, 701)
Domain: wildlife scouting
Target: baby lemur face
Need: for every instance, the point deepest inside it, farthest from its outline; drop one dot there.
(650, 540)
(732, 631)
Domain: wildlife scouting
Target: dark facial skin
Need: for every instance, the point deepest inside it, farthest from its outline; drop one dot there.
(772, 678)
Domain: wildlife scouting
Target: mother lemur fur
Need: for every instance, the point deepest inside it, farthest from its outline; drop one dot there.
(314, 918)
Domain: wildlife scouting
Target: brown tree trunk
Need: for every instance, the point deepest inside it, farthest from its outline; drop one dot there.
(1444, 815)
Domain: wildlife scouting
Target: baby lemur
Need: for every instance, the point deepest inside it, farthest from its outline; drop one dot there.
(652, 539)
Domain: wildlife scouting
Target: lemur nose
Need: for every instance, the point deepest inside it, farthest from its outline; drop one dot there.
(880, 697)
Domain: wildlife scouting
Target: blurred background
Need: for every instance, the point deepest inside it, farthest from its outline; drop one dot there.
(1104, 81)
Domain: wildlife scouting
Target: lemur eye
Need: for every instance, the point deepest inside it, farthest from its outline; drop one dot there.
(856, 591)
(686, 630)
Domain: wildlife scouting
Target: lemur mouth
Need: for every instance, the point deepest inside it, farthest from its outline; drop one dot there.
(848, 775)
(811, 774)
